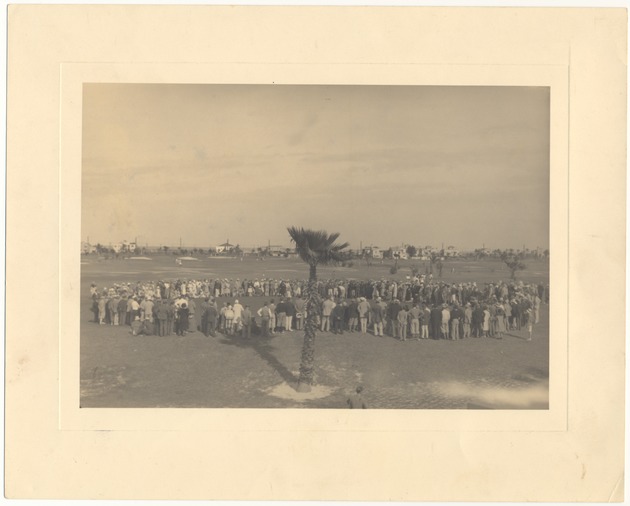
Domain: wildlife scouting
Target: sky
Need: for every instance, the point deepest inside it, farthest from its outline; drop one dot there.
(380, 165)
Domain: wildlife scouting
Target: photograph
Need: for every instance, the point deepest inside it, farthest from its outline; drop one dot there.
(315, 246)
(248, 222)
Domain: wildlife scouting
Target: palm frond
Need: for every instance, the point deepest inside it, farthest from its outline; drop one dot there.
(316, 246)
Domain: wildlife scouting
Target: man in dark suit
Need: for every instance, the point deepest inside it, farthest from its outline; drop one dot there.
(436, 321)
(477, 320)
(392, 317)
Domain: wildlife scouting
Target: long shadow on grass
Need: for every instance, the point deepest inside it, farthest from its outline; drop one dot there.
(263, 347)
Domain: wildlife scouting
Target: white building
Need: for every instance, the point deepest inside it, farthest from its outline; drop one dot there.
(87, 248)
(226, 247)
(372, 252)
(451, 252)
(276, 250)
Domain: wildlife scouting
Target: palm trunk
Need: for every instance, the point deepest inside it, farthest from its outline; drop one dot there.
(307, 362)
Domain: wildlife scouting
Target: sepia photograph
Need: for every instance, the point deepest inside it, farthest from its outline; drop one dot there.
(248, 222)
(315, 246)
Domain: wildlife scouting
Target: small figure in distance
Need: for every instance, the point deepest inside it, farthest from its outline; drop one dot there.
(355, 401)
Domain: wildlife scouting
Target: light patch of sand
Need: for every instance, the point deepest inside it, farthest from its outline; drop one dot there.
(286, 391)
(187, 258)
(140, 258)
(528, 397)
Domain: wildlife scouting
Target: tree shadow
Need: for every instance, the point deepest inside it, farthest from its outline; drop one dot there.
(265, 349)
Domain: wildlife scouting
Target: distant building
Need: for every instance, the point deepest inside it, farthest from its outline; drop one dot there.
(226, 247)
(128, 247)
(87, 248)
(124, 247)
(277, 250)
(451, 252)
(372, 252)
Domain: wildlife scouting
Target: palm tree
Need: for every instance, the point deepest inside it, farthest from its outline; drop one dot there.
(315, 247)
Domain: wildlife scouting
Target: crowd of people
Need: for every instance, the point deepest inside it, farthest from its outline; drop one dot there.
(416, 288)
(415, 308)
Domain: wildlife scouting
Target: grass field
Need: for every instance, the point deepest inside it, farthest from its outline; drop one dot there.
(118, 370)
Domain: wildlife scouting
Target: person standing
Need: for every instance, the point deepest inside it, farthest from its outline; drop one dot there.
(363, 308)
(147, 309)
(171, 316)
(272, 318)
(456, 318)
(526, 310)
(94, 298)
(402, 318)
(338, 316)
(192, 313)
(130, 316)
(477, 321)
(536, 304)
(281, 315)
(229, 320)
(446, 317)
(353, 315)
(112, 309)
(414, 318)
(212, 316)
(486, 321)
(492, 309)
(161, 313)
(204, 315)
(516, 315)
(102, 309)
(122, 310)
(500, 315)
(182, 319)
(530, 326)
(246, 320)
(222, 318)
(377, 317)
(392, 316)
(238, 312)
(299, 312)
(289, 311)
(436, 322)
(467, 319)
(135, 308)
(327, 307)
(424, 323)
(507, 308)
(265, 317)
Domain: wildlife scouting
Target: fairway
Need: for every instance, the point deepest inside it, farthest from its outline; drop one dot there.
(120, 370)
(163, 266)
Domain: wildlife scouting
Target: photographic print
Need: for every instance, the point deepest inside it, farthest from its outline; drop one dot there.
(416, 201)
(315, 246)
